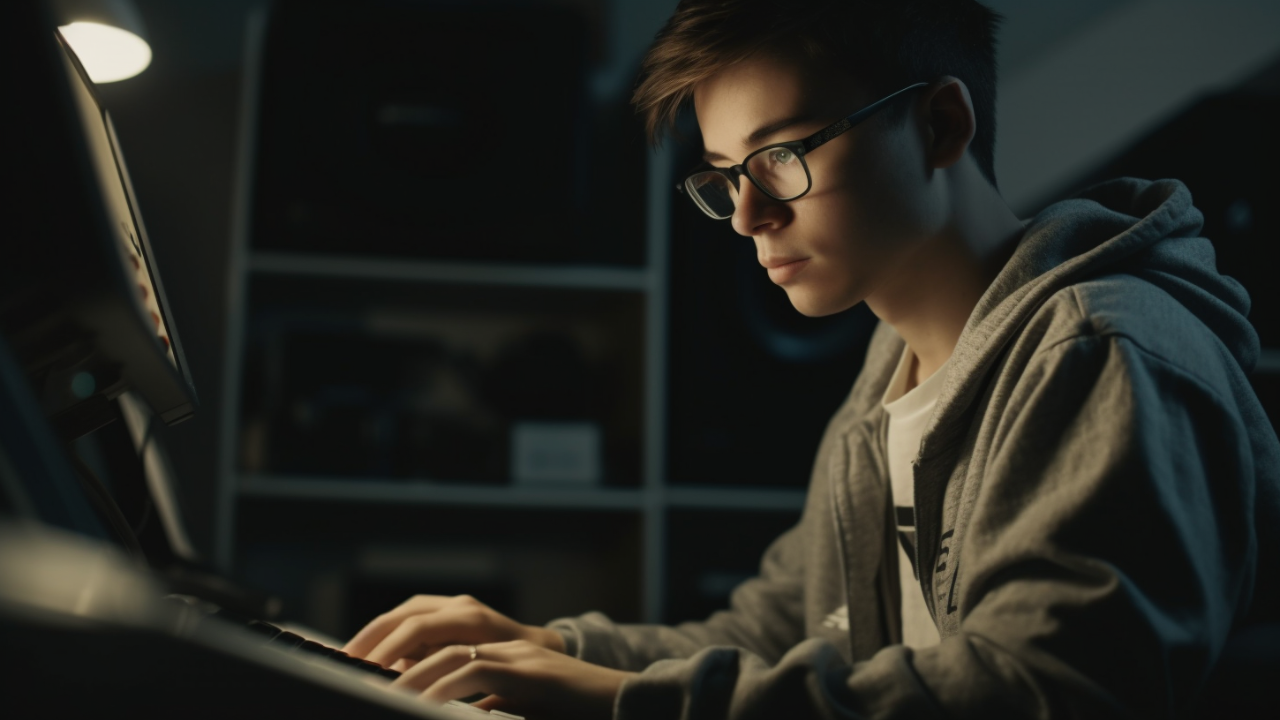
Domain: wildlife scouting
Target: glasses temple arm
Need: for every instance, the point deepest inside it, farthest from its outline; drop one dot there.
(841, 126)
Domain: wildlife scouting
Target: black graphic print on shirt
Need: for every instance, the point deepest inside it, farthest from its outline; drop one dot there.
(906, 518)
(945, 575)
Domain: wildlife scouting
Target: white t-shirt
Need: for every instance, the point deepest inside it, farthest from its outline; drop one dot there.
(908, 414)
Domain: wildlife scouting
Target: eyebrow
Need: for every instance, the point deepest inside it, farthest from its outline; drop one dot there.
(760, 134)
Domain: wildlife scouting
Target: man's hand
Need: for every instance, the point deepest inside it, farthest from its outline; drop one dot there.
(518, 677)
(424, 624)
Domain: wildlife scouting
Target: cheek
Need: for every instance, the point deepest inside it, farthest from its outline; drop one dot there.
(849, 225)
(888, 185)
(869, 197)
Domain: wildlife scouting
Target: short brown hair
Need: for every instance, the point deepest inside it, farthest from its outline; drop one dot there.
(887, 44)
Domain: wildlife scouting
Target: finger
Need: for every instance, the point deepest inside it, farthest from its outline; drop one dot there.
(428, 652)
(442, 663)
(403, 664)
(492, 671)
(378, 628)
(417, 636)
(475, 677)
(493, 702)
(403, 642)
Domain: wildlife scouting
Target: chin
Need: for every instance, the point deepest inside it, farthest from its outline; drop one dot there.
(814, 305)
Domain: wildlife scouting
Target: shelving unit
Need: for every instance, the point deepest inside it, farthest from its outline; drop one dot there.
(651, 499)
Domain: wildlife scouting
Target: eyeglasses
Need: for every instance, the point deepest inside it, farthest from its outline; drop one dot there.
(779, 170)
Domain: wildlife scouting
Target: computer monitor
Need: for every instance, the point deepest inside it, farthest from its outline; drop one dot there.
(86, 314)
(83, 312)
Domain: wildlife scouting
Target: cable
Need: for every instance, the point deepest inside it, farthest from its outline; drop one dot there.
(147, 511)
(148, 435)
(106, 506)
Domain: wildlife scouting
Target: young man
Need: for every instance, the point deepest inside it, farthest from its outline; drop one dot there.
(1051, 490)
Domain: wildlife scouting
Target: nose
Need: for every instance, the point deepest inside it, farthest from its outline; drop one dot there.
(756, 212)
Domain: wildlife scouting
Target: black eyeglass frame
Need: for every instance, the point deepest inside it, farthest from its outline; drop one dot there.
(799, 147)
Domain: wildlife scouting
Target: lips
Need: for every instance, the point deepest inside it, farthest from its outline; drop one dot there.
(777, 262)
(782, 269)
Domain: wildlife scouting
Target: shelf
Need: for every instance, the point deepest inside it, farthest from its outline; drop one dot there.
(1268, 362)
(427, 493)
(358, 268)
(472, 495)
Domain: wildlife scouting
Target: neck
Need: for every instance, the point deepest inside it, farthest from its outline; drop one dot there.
(929, 297)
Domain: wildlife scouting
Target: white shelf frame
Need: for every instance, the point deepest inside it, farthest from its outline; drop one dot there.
(428, 492)
(237, 292)
(423, 492)
(1268, 362)
(654, 522)
(469, 273)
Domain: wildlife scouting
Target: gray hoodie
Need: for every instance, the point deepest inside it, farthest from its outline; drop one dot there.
(1096, 495)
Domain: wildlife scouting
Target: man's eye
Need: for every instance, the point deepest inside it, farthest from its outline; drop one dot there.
(783, 156)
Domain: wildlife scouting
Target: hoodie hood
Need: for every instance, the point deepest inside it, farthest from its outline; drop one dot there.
(1148, 229)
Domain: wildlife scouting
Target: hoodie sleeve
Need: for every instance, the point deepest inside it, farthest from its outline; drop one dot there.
(765, 617)
(1111, 545)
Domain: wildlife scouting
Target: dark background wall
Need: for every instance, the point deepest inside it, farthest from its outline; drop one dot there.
(178, 126)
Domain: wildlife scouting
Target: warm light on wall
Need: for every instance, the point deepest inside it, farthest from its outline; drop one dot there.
(107, 36)
(108, 53)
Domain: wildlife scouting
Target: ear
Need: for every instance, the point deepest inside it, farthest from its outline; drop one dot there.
(948, 112)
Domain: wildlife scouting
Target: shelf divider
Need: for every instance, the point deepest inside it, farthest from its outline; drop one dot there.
(426, 492)
(1268, 362)
(593, 277)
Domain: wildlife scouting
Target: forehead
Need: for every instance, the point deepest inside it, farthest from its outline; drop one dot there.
(763, 91)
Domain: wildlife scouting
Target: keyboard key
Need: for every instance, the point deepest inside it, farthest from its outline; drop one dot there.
(266, 630)
(461, 708)
(314, 648)
(288, 639)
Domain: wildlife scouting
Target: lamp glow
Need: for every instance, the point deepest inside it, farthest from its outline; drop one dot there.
(107, 53)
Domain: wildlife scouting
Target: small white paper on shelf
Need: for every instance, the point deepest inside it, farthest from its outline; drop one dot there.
(555, 453)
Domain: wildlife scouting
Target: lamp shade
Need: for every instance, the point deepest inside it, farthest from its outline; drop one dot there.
(107, 36)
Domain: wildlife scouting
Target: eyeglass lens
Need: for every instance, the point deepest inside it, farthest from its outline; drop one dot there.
(713, 192)
(776, 170)
(779, 171)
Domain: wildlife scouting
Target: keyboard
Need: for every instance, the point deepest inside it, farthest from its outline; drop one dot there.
(294, 642)
(279, 638)
(463, 710)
